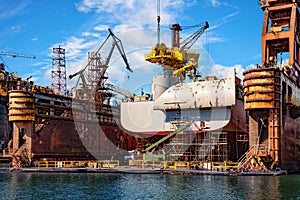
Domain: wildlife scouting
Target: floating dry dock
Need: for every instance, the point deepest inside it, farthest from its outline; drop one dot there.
(129, 170)
(254, 122)
(112, 166)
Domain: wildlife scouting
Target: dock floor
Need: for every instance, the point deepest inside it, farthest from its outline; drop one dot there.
(134, 170)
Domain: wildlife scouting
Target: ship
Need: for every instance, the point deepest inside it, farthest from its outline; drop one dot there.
(199, 119)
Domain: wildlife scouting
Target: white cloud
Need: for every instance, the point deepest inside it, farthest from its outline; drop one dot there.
(219, 3)
(133, 12)
(76, 46)
(11, 8)
(221, 70)
(101, 27)
(214, 3)
(86, 34)
(219, 22)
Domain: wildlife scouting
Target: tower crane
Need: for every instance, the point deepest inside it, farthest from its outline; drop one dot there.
(14, 55)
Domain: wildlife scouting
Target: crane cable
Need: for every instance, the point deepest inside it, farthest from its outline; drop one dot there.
(158, 23)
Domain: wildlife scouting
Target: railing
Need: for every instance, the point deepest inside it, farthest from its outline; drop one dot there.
(82, 163)
(148, 164)
(200, 165)
(261, 149)
(246, 157)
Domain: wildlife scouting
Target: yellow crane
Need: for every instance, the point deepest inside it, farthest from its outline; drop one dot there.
(178, 58)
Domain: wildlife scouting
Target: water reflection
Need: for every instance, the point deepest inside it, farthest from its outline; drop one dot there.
(130, 186)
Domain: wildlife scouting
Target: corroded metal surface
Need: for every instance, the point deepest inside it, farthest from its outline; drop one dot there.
(45, 126)
(259, 85)
(272, 90)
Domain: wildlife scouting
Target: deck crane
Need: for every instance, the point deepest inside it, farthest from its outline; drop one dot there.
(92, 76)
(179, 59)
(190, 41)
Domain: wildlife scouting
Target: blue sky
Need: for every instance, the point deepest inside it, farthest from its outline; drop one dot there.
(35, 27)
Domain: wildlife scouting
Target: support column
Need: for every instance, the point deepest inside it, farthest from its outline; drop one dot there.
(22, 115)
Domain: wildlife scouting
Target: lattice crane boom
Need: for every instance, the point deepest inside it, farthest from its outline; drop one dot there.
(121, 91)
(190, 41)
(15, 55)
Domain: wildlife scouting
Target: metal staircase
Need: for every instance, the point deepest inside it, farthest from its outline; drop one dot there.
(246, 158)
(251, 158)
(21, 158)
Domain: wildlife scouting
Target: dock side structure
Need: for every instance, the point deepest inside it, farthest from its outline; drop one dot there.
(271, 90)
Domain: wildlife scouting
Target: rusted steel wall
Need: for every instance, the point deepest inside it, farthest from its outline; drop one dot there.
(271, 99)
(259, 88)
(50, 129)
(4, 126)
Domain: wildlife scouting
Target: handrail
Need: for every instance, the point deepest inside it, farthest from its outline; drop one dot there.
(79, 163)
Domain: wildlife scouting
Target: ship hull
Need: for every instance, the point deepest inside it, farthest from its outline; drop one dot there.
(212, 111)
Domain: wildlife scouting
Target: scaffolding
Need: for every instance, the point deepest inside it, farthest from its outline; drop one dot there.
(206, 146)
(59, 80)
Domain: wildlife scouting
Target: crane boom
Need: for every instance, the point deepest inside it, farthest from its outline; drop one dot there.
(119, 45)
(189, 41)
(15, 55)
(117, 42)
(121, 91)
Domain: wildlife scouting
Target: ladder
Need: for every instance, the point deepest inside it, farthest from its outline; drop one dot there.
(246, 158)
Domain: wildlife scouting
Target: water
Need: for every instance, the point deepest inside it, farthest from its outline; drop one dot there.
(145, 186)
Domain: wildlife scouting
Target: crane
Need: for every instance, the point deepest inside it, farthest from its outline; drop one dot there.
(178, 57)
(14, 55)
(126, 93)
(92, 76)
(190, 41)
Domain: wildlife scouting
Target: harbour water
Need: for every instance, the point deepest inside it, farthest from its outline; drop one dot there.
(145, 186)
